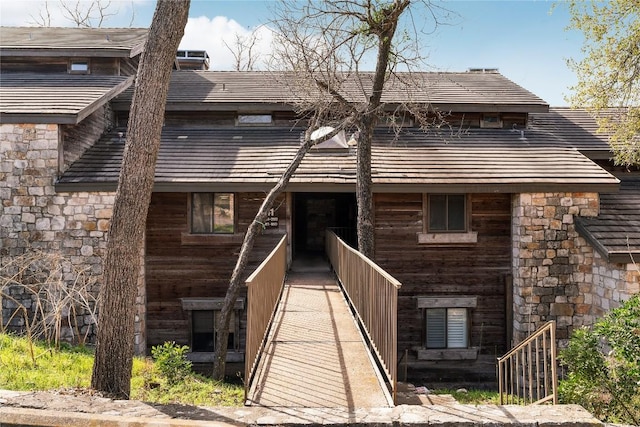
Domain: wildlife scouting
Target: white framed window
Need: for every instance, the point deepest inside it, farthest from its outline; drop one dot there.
(212, 213)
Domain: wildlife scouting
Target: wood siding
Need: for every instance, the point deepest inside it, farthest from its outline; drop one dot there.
(76, 139)
(175, 270)
(465, 270)
(48, 65)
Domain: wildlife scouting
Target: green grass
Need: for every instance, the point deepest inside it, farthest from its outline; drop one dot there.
(473, 397)
(70, 367)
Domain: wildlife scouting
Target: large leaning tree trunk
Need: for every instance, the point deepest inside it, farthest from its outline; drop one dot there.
(253, 231)
(114, 350)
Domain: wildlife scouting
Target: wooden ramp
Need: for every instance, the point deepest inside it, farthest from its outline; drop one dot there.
(315, 356)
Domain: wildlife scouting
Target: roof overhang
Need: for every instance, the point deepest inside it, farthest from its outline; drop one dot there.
(30, 108)
(344, 187)
(611, 256)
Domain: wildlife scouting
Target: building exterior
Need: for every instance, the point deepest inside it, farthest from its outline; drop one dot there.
(494, 224)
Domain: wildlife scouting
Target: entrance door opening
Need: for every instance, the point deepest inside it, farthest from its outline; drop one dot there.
(315, 212)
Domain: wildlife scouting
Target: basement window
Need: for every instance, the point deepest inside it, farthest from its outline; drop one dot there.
(447, 327)
(203, 315)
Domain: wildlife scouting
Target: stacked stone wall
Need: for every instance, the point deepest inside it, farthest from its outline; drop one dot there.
(551, 262)
(611, 285)
(71, 225)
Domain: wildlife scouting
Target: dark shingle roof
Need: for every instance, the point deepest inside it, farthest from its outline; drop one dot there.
(237, 159)
(615, 232)
(55, 98)
(52, 41)
(211, 90)
(574, 128)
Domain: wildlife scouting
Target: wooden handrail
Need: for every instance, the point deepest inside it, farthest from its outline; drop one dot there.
(373, 295)
(264, 287)
(527, 373)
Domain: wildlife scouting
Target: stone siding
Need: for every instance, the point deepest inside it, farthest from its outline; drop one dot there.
(550, 261)
(72, 226)
(610, 286)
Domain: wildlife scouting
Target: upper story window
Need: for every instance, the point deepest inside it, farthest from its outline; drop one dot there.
(254, 119)
(447, 213)
(78, 66)
(212, 213)
(491, 120)
(447, 220)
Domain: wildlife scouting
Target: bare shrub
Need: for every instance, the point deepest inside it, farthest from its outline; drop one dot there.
(46, 297)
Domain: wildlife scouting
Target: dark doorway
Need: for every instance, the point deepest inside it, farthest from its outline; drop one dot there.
(315, 212)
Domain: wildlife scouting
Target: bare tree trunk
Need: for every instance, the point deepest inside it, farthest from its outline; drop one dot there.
(384, 27)
(235, 284)
(114, 350)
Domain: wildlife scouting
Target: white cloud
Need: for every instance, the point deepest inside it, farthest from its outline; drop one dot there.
(203, 33)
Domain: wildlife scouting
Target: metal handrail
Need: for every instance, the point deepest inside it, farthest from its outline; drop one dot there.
(527, 373)
(373, 293)
(264, 288)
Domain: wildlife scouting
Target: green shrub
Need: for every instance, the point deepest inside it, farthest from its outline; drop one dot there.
(171, 361)
(604, 366)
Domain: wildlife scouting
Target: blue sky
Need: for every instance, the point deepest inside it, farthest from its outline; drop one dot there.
(526, 40)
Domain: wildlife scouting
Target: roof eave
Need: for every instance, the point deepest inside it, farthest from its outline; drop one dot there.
(302, 186)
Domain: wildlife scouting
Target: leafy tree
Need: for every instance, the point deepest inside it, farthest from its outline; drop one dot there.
(114, 350)
(609, 74)
(604, 366)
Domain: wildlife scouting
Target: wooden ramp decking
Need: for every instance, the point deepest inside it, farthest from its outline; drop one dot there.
(315, 356)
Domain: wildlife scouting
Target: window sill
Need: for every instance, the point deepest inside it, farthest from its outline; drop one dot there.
(468, 238)
(190, 239)
(207, 357)
(448, 354)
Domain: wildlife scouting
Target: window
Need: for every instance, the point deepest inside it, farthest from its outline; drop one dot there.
(491, 121)
(446, 328)
(212, 213)
(79, 67)
(447, 212)
(203, 327)
(254, 119)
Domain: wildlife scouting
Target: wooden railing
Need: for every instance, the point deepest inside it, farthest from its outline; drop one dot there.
(527, 374)
(264, 287)
(373, 294)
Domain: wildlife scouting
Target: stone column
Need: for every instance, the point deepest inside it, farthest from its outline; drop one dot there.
(550, 260)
